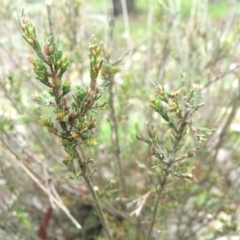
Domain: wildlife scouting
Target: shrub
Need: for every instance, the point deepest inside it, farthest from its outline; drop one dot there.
(117, 179)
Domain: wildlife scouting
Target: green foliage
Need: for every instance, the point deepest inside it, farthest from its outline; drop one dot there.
(181, 184)
(76, 122)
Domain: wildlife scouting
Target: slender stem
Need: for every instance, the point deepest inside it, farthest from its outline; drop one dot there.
(49, 13)
(126, 23)
(156, 204)
(95, 197)
(149, 40)
(138, 228)
(116, 137)
(30, 174)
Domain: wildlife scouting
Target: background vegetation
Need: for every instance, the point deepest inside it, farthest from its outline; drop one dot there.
(171, 43)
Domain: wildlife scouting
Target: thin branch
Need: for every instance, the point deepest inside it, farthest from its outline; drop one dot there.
(39, 184)
(93, 190)
(149, 39)
(121, 58)
(49, 13)
(126, 23)
(116, 136)
(156, 204)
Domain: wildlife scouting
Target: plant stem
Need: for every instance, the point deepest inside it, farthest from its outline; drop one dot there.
(116, 137)
(89, 183)
(157, 201)
(33, 177)
(95, 197)
(126, 23)
(138, 228)
(49, 13)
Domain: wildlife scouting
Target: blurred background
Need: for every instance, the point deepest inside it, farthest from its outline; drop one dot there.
(170, 42)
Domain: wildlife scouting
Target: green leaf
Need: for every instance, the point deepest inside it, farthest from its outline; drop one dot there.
(44, 98)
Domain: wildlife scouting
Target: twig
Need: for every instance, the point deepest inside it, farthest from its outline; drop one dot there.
(126, 23)
(156, 204)
(117, 213)
(115, 132)
(114, 120)
(149, 39)
(39, 184)
(49, 13)
(138, 228)
(176, 32)
(121, 58)
(139, 204)
(94, 194)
